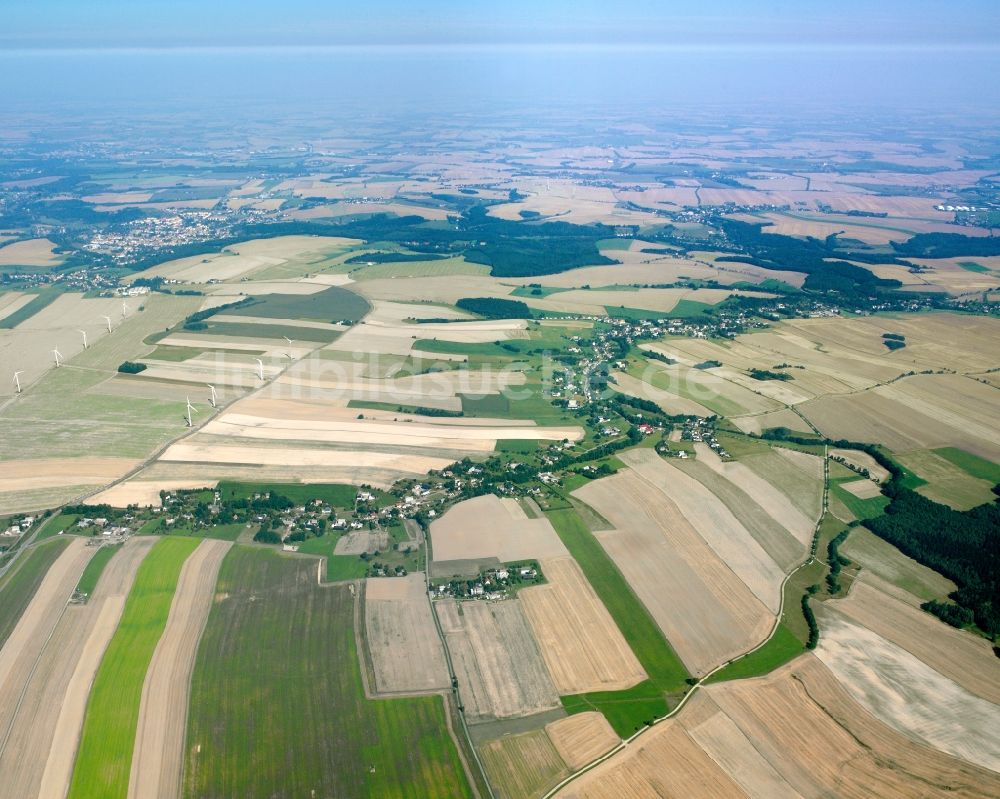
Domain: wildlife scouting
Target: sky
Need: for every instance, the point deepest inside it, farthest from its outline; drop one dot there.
(101, 24)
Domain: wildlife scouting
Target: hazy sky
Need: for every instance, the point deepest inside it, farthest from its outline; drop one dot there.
(179, 23)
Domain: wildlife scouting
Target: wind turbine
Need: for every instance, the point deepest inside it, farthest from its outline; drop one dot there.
(213, 394)
(57, 355)
(124, 309)
(260, 368)
(108, 320)
(84, 334)
(17, 381)
(190, 408)
(288, 354)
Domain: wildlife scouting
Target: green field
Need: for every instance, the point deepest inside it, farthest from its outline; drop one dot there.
(973, 465)
(94, 568)
(445, 267)
(104, 759)
(861, 508)
(21, 582)
(972, 266)
(625, 710)
(277, 705)
(331, 304)
(336, 494)
(782, 647)
(318, 335)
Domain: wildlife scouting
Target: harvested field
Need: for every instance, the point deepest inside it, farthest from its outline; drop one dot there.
(499, 669)
(13, 301)
(32, 473)
(158, 757)
(787, 543)
(21, 580)
(862, 488)
(489, 527)
(522, 766)
(797, 475)
(37, 758)
(582, 738)
(27, 639)
(862, 460)
(670, 402)
(145, 493)
(907, 694)
(902, 576)
(706, 613)
(33, 252)
(946, 482)
(580, 643)
(715, 523)
(399, 629)
(962, 657)
(764, 734)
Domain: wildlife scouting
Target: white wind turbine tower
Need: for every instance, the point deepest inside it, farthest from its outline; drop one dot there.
(108, 320)
(17, 381)
(57, 355)
(213, 394)
(124, 309)
(260, 368)
(288, 354)
(190, 408)
(84, 334)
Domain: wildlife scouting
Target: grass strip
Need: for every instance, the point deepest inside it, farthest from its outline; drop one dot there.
(94, 569)
(20, 584)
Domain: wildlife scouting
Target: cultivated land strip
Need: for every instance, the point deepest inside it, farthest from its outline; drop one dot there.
(44, 731)
(104, 759)
(158, 757)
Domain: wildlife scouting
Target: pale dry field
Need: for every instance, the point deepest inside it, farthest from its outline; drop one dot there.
(668, 401)
(33, 252)
(38, 756)
(489, 527)
(582, 646)
(222, 456)
(12, 301)
(761, 422)
(798, 475)
(784, 549)
(26, 642)
(946, 482)
(799, 524)
(145, 493)
(355, 542)
(399, 629)
(893, 571)
(499, 669)
(243, 259)
(907, 694)
(863, 461)
(41, 472)
(158, 756)
(522, 765)
(760, 738)
(962, 657)
(581, 738)
(705, 611)
(862, 488)
(714, 522)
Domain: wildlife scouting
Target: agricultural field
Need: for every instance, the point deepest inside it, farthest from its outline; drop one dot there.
(497, 662)
(581, 738)
(707, 613)
(323, 735)
(401, 638)
(760, 738)
(523, 765)
(21, 581)
(158, 755)
(582, 646)
(104, 759)
(469, 533)
(36, 757)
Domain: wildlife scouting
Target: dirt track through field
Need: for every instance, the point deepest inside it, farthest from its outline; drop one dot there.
(64, 703)
(158, 757)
